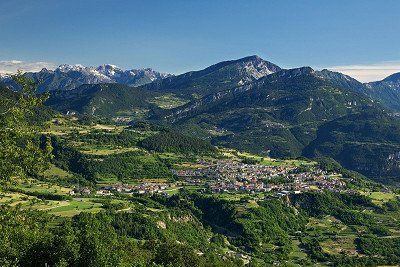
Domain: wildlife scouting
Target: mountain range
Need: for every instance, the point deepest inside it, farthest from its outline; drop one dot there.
(69, 77)
(253, 105)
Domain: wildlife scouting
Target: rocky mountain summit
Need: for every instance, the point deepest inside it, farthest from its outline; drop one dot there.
(68, 77)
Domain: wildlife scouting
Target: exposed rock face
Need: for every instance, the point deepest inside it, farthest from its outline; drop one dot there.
(69, 77)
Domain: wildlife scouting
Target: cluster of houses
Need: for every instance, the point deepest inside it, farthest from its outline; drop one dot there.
(235, 176)
(81, 190)
(144, 188)
(233, 170)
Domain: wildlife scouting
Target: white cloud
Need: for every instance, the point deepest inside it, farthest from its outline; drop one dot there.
(369, 72)
(12, 66)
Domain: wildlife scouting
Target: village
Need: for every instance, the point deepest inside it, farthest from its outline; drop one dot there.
(109, 190)
(236, 176)
(232, 176)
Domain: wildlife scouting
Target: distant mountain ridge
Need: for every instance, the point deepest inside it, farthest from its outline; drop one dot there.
(68, 77)
(196, 84)
(387, 91)
(218, 77)
(184, 87)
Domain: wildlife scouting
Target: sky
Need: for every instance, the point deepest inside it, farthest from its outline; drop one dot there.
(358, 37)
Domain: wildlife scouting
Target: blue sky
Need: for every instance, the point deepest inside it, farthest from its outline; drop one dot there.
(180, 35)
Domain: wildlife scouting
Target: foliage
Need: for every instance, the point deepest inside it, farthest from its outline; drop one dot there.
(175, 142)
(388, 248)
(20, 154)
(366, 142)
(89, 99)
(124, 166)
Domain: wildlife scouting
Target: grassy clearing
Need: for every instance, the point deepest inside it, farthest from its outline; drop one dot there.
(379, 198)
(39, 187)
(153, 180)
(187, 166)
(49, 205)
(170, 156)
(14, 198)
(172, 191)
(76, 206)
(105, 151)
(338, 245)
(25, 201)
(64, 126)
(252, 204)
(108, 128)
(135, 113)
(328, 224)
(267, 161)
(107, 180)
(297, 255)
(54, 171)
(168, 101)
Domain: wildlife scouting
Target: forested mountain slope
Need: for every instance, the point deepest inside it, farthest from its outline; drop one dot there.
(103, 100)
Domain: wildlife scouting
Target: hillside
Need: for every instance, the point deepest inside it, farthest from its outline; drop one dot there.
(103, 100)
(367, 142)
(279, 112)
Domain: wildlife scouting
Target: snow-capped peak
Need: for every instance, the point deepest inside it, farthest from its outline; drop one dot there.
(109, 70)
(68, 67)
(70, 76)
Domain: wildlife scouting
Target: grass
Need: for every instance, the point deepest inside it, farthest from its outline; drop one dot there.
(153, 180)
(297, 254)
(101, 180)
(105, 151)
(109, 128)
(133, 114)
(63, 208)
(64, 126)
(170, 156)
(14, 198)
(168, 101)
(172, 191)
(264, 160)
(252, 204)
(39, 187)
(188, 166)
(338, 245)
(379, 198)
(54, 171)
(76, 206)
